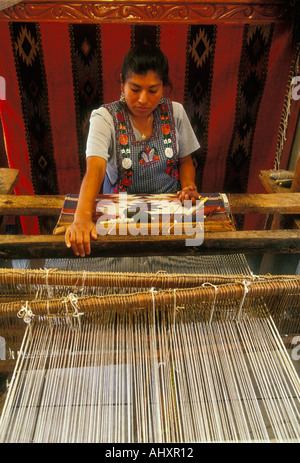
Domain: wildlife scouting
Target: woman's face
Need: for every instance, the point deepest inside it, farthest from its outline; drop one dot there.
(142, 93)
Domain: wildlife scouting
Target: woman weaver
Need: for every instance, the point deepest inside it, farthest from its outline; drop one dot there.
(141, 143)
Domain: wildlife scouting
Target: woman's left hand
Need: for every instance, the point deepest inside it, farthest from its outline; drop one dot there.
(189, 193)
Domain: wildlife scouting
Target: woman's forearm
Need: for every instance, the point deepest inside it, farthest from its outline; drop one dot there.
(90, 188)
(79, 233)
(186, 172)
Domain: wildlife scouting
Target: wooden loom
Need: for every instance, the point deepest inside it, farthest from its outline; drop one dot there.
(268, 241)
(187, 327)
(192, 359)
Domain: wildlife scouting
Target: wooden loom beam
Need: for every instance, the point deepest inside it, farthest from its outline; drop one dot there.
(41, 205)
(43, 246)
(168, 297)
(162, 280)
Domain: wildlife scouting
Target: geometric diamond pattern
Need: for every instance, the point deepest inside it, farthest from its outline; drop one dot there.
(200, 62)
(26, 46)
(29, 61)
(85, 42)
(251, 87)
(253, 70)
(200, 47)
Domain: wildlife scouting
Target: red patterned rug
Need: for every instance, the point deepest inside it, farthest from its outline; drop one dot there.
(232, 80)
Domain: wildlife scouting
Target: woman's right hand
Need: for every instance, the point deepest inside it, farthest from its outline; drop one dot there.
(79, 234)
(78, 237)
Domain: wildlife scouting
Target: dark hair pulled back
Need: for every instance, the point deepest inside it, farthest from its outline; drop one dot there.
(144, 58)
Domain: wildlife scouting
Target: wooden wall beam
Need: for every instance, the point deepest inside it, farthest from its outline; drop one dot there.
(149, 11)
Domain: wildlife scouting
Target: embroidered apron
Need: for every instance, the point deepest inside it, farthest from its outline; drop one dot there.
(149, 166)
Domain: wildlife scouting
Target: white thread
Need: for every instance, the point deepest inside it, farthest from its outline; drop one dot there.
(172, 225)
(152, 290)
(48, 290)
(26, 313)
(73, 300)
(174, 306)
(245, 284)
(83, 281)
(215, 298)
(256, 277)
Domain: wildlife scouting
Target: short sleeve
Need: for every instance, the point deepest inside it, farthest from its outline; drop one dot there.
(100, 138)
(187, 140)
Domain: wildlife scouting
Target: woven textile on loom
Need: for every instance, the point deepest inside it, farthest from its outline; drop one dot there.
(231, 78)
(172, 358)
(159, 213)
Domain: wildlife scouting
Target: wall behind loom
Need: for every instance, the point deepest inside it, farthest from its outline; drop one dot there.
(231, 78)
